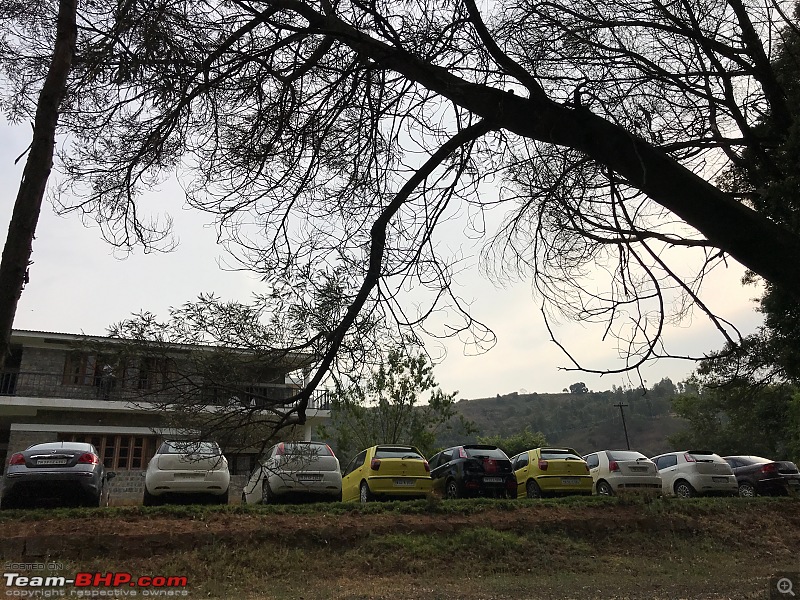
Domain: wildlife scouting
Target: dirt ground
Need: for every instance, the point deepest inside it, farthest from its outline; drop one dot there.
(658, 550)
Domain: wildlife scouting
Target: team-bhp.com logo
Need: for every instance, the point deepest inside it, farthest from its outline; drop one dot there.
(94, 585)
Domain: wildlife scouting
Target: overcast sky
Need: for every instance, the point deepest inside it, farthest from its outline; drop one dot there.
(79, 285)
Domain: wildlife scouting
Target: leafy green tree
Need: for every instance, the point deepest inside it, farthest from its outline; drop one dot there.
(770, 181)
(389, 406)
(578, 388)
(516, 443)
(737, 417)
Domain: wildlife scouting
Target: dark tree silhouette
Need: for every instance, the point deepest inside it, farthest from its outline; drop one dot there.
(344, 135)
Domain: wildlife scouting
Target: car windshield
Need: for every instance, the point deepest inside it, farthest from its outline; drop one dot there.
(178, 447)
(397, 452)
(555, 454)
(307, 449)
(62, 446)
(753, 460)
(625, 455)
(485, 452)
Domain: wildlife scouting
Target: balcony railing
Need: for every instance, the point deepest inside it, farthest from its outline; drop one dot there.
(51, 385)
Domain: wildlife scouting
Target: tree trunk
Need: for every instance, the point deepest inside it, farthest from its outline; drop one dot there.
(21, 230)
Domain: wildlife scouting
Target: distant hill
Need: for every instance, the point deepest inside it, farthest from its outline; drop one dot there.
(584, 420)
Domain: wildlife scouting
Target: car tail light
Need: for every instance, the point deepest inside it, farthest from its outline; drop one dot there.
(542, 464)
(586, 466)
(329, 450)
(462, 453)
(375, 464)
(281, 450)
(427, 466)
(613, 466)
(87, 458)
(689, 458)
(472, 485)
(770, 468)
(16, 459)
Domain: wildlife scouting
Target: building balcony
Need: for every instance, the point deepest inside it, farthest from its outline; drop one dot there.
(19, 384)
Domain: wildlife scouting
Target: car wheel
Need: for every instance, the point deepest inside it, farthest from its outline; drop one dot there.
(532, 489)
(604, 488)
(451, 491)
(222, 498)
(267, 497)
(149, 499)
(365, 495)
(683, 489)
(244, 498)
(746, 490)
(8, 503)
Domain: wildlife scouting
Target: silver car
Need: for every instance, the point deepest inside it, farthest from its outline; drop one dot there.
(304, 469)
(614, 471)
(692, 472)
(70, 472)
(184, 469)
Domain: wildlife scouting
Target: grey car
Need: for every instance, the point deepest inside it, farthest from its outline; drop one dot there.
(70, 472)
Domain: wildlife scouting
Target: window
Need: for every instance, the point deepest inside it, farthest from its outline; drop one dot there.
(81, 368)
(593, 461)
(119, 451)
(669, 460)
(521, 462)
(155, 373)
(356, 462)
(84, 368)
(624, 455)
(397, 452)
(434, 461)
(485, 452)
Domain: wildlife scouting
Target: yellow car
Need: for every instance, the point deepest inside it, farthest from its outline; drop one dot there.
(386, 472)
(546, 471)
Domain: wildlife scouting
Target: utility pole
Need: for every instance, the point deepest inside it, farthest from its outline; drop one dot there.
(622, 412)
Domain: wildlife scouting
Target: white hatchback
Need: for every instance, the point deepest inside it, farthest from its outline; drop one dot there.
(614, 471)
(693, 472)
(306, 469)
(187, 467)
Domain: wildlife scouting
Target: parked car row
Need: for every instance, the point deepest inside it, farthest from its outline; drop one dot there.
(74, 473)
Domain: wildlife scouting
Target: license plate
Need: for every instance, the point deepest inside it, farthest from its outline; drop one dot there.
(570, 481)
(639, 469)
(189, 475)
(404, 482)
(311, 477)
(719, 479)
(51, 461)
(493, 479)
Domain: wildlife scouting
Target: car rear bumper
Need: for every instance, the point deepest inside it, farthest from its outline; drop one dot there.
(399, 486)
(633, 483)
(50, 483)
(177, 482)
(330, 484)
(565, 484)
(778, 484)
(715, 484)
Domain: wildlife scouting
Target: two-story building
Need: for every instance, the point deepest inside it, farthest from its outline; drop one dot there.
(58, 386)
